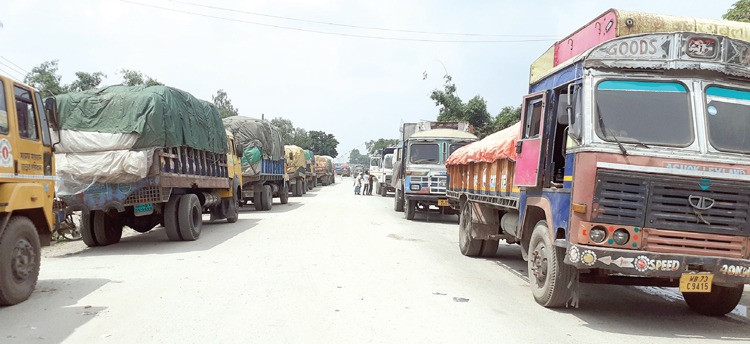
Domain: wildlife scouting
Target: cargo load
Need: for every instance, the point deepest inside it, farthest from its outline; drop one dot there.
(295, 159)
(258, 140)
(109, 135)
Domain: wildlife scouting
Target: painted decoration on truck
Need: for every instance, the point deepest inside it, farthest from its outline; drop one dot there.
(6, 159)
(702, 47)
(656, 47)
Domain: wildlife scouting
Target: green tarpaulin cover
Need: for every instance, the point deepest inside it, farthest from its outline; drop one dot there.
(162, 116)
(250, 156)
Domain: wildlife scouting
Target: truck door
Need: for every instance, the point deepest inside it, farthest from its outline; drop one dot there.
(529, 146)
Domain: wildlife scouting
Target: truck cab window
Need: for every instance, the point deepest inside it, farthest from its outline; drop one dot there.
(533, 119)
(558, 148)
(3, 111)
(27, 124)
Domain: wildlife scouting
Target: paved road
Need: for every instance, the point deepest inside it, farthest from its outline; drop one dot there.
(329, 267)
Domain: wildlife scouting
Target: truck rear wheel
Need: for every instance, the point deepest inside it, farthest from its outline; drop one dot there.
(489, 247)
(108, 230)
(284, 194)
(87, 229)
(304, 187)
(398, 201)
(721, 300)
(410, 208)
(20, 259)
(258, 199)
(267, 197)
(469, 246)
(171, 225)
(552, 281)
(190, 217)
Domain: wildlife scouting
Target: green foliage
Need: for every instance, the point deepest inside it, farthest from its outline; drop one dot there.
(291, 135)
(136, 78)
(453, 109)
(44, 78)
(322, 143)
(508, 116)
(222, 101)
(373, 146)
(86, 81)
(740, 11)
(355, 157)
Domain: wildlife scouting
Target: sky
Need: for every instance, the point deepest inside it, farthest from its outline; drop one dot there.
(359, 77)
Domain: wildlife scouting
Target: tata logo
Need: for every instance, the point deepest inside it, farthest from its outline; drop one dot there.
(700, 202)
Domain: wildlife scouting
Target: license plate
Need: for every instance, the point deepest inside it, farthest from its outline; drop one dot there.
(696, 283)
(143, 209)
(442, 202)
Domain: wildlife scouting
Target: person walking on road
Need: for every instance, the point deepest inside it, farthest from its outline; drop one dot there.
(365, 185)
(358, 184)
(370, 180)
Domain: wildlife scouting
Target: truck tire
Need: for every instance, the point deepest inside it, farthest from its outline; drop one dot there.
(232, 212)
(721, 300)
(87, 229)
(267, 197)
(258, 199)
(284, 194)
(410, 208)
(171, 225)
(190, 217)
(107, 230)
(489, 247)
(304, 186)
(469, 246)
(20, 259)
(298, 187)
(398, 201)
(552, 281)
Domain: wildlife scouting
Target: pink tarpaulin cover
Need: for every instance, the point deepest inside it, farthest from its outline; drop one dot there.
(500, 145)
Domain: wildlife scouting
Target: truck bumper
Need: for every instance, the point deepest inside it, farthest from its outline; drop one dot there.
(428, 199)
(658, 265)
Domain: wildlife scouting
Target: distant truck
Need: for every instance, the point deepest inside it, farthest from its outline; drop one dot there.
(629, 166)
(144, 156)
(386, 168)
(295, 170)
(263, 173)
(346, 171)
(421, 180)
(310, 169)
(27, 186)
(324, 170)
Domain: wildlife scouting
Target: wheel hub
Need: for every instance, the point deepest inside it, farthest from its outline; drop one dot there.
(539, 264)
(23, 259)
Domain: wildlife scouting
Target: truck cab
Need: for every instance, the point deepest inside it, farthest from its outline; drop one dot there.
(27, 186)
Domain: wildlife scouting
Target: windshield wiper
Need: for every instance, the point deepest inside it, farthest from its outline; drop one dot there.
(604, 130)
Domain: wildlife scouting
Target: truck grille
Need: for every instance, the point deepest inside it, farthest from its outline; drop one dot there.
(436, 184)
(664, 202)
(677, 242)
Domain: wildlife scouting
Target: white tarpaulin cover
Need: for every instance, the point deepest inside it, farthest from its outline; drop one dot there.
(77, 171)
(86, 141)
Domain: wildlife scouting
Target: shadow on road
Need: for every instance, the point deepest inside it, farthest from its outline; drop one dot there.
(640, 311)
(276, 208)
(52, 312)
(434, 217)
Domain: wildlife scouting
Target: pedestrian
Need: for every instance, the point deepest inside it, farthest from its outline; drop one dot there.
(365, 185)
(358, 184)
(369, 189)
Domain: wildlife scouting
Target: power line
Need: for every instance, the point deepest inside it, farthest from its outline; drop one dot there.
(11, 62)
(335, 33)
(354, 26)
(8, 74)
(11, 68)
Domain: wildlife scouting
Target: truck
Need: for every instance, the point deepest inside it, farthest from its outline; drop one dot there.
(386, 169)
(324, 170)
(295, 170)
(422, 180)
(346, 171)
(263, 163)
(27, 186)
(629, 165)
(310, 169)
(376, 170)
(141, 157)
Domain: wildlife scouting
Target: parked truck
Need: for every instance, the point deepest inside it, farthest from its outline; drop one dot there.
(295, 170)
(27, 186)
(421, 181)
(629, 166)
(310, 169)
(386, 168)
(263, 172)
(324, 170)
(140, 157)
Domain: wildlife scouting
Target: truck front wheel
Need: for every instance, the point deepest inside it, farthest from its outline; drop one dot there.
(398, 201)
(721, 300)
(20, 254)
(410, 207)
(552, 281)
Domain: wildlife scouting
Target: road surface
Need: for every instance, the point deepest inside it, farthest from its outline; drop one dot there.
(330, 267)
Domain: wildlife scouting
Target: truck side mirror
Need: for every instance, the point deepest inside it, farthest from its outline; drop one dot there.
(50, 109)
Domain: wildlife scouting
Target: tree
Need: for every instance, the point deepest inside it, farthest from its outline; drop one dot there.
(740, 11)
(322, 143)
(508, 116)
(136, 78)
(44, 78)
(291, 135)
(86, 81)
(222, 101)
(453, 109)
(355, 157)
(373, 146)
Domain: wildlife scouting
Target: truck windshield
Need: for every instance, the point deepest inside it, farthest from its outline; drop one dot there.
(455, 147)
(424, 153)
(388, 162)
(643, 112)
(728, 118)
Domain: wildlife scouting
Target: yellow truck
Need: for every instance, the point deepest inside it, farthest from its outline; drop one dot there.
(27, 186)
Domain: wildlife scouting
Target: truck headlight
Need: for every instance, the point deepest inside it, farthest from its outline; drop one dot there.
(415, 187)
(621, 236)
(598, 234)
